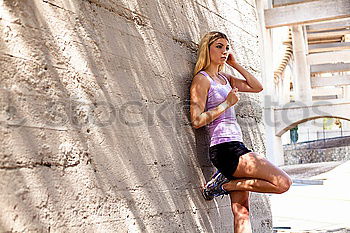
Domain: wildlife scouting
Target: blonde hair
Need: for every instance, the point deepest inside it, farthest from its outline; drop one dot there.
(203, 60)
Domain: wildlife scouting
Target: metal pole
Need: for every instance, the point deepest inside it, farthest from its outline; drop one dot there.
(341, 129)
(324, 135)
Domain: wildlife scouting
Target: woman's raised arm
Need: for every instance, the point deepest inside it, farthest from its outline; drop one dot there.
(250, 84)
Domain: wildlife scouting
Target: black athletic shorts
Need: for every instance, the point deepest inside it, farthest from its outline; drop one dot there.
(225, 156)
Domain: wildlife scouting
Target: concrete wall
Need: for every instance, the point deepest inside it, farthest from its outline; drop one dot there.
(95, 135)
(331, 149)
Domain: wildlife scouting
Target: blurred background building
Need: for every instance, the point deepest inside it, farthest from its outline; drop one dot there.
(308, 102)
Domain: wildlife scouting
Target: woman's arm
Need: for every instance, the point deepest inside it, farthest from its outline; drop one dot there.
(250, 84)
(199, 93)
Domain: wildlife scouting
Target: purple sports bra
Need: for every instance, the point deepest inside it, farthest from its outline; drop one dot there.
(225, 128)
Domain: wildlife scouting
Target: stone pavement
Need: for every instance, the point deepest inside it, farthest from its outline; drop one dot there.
(315, 202)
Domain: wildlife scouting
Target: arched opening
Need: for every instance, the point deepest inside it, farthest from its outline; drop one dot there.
(318, 128)
(320, 139)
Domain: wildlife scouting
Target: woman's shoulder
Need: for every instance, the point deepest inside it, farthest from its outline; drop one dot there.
(201, 79)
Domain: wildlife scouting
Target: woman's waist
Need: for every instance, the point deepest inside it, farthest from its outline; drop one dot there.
(228, 113)
(225, 119)
(224, 126)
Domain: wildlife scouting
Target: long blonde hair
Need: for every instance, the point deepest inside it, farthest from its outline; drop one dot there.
(203, 60)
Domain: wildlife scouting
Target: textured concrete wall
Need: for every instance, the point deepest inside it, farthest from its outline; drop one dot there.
(331, 149)
(95, 135)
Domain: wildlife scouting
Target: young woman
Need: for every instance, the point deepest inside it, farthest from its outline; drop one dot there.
(213, 96)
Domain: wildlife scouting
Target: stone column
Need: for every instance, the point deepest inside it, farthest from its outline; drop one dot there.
(346, 124)
(301, 68)
(274, 149)
(302, 79)
(286, 88)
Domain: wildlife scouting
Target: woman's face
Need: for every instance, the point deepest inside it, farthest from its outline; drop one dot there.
(219, 51)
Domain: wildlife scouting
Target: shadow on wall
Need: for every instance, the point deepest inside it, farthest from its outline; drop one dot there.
(94, 108)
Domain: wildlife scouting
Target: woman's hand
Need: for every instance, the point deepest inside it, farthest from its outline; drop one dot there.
(232, 97)
(231, 60)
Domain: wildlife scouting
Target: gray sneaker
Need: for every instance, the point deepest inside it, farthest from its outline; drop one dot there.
(214, 187)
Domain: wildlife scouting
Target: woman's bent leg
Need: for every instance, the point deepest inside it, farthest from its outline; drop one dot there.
(240, 210)
(257, 174)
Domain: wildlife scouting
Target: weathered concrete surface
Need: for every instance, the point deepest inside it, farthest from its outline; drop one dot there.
(95, 135)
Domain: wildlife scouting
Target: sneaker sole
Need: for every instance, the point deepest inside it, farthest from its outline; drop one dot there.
(205, 196)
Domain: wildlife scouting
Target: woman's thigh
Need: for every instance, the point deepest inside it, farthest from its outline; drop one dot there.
(253, 165)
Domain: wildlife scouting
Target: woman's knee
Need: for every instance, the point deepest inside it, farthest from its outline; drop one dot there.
(284, 184)
(239, 201)
(240, 197)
